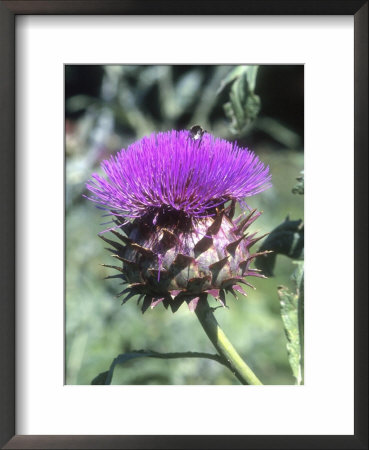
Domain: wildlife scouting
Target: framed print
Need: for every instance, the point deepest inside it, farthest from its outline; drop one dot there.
(181, 123)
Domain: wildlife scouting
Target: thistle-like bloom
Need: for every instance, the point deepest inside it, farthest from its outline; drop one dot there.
(168, 193)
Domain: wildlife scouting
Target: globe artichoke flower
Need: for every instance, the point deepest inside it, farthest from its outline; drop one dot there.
(172, 198)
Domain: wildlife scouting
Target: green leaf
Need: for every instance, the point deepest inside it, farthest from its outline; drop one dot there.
(243, 106)
(79, 103)
(251, 74)
(292, 312)
(299, 187)
(231, 76)
(237, 72)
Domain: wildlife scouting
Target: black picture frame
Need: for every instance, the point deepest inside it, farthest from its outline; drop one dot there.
(8, 12)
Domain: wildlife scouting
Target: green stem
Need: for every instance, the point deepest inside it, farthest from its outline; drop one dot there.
(179, 355)
(224, 347)
(123, 358)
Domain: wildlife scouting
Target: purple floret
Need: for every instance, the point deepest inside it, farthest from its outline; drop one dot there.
(173, 171)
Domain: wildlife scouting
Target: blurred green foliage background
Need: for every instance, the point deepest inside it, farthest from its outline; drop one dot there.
(106, 109)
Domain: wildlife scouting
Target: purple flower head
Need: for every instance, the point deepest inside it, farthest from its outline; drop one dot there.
(171, 171)
(177, 240)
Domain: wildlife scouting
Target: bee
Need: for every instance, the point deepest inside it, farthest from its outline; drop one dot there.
(196, 133)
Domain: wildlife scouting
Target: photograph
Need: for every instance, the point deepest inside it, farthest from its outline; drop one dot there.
(184, 224)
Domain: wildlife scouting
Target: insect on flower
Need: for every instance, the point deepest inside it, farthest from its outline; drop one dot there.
(197, 132)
